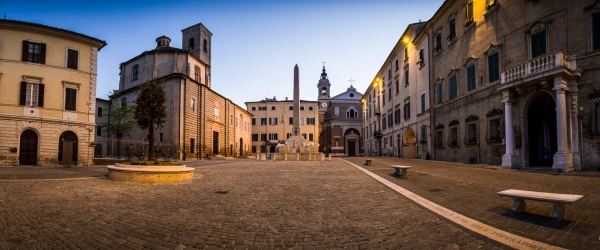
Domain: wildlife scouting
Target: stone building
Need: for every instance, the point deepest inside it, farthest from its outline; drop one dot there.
(272, 122)
(341, 123)
(396, 103)
(47, 94)
(512, 83)
(200, 122)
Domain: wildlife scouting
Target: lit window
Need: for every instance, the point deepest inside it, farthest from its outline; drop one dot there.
(470, 17)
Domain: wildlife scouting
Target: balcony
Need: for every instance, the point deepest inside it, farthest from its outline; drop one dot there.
(377, 134)
(377, 111)
(539, 67)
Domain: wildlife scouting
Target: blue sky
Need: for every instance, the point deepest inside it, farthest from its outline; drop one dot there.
(255, 44)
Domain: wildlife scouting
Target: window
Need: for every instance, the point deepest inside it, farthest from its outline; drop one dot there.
(337, 110)
(491, 3)
(397, 116)
(301, 120)
(72, 59)
(538, 44)
(310, 108)
(596, 31)
(406, 110)
(301, 107)
(99, 113)
(272, 107)
(253, 108)
(469, 14)
(197, 74)
(216, 112)
(288, 135)
(390, 95)
(397, 66)
(351, 113)
(438, 94)
(383, 122)
(471, 78)
(160, 137)
(191, 44)
(253, 120)
(290, 107)
(310, 121)
(263, 137)
(263, 121)
(439, 138)
(254, 137)
(405, 53)
(70, 99)
(205, 44)
(421, 57)
(406, 77)
(311, 137)
(422, 102)
(452, 29)
(423, 134)
(134, 72)
(192, 146)
(495, 130)
(290, 120)
(34, 52)
(454, 136)
(262, 108)
(253, 149)
(453, 88)
(472, 133)
(193, 105)
(390, 121)
(273, 121)
(123, 102)
(438, 42)
(304, 136)
(383, 96)
(493, 67)
(397, 86)
(389, 74)
(99, 130)
(273, 136)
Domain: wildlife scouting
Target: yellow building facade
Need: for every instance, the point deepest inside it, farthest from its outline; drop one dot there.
(47, 94)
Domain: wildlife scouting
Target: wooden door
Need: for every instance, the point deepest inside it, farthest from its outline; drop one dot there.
(28, 148)
(351, 148)
(215, 143)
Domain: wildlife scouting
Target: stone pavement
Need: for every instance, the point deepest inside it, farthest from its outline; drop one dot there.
(471, 191)
(245, 204)
(241, 204)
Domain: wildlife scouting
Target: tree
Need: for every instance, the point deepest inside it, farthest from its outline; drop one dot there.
(150, 110)
(120, 122)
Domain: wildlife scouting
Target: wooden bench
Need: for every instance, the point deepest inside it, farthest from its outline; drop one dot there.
(368, 162)
(558, 200)
(400, 170)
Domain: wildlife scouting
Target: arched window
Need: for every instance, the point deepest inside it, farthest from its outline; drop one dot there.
(124, 102)
(197, 74)
(191, 44)
(205, 44)
(134, 72)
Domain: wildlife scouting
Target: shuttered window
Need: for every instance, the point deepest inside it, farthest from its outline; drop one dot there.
(471, 78)
(34, 52)
(453, 88)
(70, 99)
(31, 95)
(72, 59)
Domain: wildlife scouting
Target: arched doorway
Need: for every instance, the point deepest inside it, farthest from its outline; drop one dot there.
(410, 144)
(352, 142)
(241, 146)
(541, 120)
(28, 148)
(67, 148)
(98, 151)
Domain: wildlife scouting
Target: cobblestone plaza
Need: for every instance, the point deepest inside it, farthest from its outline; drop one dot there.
(244, 204)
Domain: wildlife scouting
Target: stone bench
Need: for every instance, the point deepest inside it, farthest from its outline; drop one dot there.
(368, 162)
(558, 200)
(400, 170)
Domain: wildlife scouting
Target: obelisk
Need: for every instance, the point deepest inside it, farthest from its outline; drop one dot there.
(296, 128)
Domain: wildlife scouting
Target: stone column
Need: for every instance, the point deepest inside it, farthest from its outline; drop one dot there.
(510, 159)
(296, 129)
(563, 159)
(575, 127)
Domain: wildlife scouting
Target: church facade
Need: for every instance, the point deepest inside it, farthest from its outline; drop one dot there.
(341, 124)
(200, 122)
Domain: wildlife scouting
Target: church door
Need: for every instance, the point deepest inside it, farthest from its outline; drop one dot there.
(542, 131)
(351, 148)
(241, 147)
(215, 143)
(28, 148)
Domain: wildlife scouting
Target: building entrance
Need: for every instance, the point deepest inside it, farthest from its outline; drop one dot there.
(215, 143)
(410, 144)
(28, 148)
(542, 131)
(67, 148)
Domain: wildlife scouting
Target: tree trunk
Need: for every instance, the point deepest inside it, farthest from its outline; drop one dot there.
(151, 156)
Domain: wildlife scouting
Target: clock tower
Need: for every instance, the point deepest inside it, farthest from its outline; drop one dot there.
(323, 92)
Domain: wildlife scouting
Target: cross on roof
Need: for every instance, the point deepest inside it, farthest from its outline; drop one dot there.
(351, 81)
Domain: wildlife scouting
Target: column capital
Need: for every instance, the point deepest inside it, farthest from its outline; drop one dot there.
(508, 96)
(560, 85)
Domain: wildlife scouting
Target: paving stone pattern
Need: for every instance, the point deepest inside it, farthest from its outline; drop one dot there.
(471, 191)
(235, 204)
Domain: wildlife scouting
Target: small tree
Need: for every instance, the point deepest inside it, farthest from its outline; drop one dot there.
(150, 110)
(120, 121)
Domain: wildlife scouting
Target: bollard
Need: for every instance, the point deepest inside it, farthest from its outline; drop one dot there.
(285, 157)
(297, 157)
(322, 156)
(329, 157)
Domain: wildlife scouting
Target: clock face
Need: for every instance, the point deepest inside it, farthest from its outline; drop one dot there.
(324, 104)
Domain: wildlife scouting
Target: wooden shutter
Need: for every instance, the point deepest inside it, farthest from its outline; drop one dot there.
(40, 95)
(25, 52)
(72, 58)
(23, 92)
(70, 99)
(42, 53)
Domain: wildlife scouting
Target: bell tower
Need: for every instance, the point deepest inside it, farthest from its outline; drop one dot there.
(323, 91)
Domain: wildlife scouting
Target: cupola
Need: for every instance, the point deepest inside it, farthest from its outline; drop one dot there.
(163, 41)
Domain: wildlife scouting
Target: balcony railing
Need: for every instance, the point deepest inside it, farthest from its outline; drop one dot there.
(536, 65)
(377, 134)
